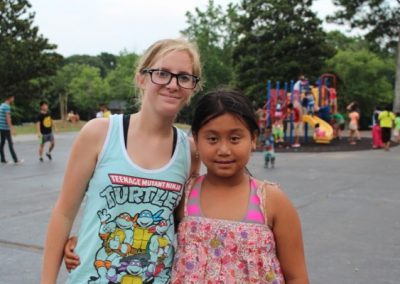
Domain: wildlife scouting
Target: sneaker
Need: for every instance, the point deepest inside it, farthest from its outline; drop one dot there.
(19, 162)
(41, 159)
(5, 162)
(48, 155)
(297, 145)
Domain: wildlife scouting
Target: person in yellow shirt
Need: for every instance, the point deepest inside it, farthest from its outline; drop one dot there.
(106, 112)
(386, 119)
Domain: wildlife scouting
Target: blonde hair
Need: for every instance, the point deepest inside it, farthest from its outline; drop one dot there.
(162, 47)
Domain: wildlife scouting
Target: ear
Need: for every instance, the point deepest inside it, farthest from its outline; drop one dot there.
(195, 138)
(140, 80)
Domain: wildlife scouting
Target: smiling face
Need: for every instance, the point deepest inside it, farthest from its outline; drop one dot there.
(224, 145)
(167, 99)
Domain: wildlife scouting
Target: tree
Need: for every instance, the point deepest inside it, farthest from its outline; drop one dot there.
(25, 55)
(88, 90)
(121, 79)
(213, 30)
(380, 19)
(59, 90)
(105, 62)
(364, 77)
(279, 40)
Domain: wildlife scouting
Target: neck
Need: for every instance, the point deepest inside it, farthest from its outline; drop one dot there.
(227, 182)
(152, 124)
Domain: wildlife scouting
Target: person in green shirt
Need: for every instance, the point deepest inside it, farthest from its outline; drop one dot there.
(338, 124)
(386, 119)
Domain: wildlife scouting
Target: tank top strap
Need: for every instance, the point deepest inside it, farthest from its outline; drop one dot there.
(261, 192)
(254, 213)
(192, 197)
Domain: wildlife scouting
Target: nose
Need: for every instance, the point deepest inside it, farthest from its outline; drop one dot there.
(223, 148)
(174, 82)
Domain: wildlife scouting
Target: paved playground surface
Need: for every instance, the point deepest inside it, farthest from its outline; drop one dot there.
(349, 204)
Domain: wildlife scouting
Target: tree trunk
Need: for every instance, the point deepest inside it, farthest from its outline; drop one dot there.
(396, 105)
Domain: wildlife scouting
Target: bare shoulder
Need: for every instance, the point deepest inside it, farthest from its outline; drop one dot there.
(276, 201)
(95, 129)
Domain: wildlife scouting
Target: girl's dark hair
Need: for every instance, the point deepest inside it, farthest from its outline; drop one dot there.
(222, 101)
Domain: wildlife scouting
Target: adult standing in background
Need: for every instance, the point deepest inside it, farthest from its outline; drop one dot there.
(386, 119)
(7, 129)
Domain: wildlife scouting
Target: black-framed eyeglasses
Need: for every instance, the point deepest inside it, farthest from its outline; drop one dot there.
(163, 77)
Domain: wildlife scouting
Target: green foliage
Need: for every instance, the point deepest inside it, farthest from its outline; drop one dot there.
(88, 90)
(214, 32)
(380, 19)
(121, 80)
(105, 62)
(364, 77)
(279, 40)
(26, 57)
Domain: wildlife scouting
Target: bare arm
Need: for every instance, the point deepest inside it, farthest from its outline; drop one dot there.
(37, 124)
(9, 123)
(81, 164)
(285, 224)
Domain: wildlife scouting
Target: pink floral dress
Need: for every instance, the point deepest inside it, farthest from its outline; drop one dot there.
(223, 251)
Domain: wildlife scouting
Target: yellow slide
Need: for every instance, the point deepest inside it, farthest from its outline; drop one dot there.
(326, 127)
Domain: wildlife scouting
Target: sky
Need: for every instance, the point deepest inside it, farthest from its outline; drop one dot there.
(95, 26)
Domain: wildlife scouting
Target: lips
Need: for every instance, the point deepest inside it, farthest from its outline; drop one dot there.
(170, 96)
(224, 162)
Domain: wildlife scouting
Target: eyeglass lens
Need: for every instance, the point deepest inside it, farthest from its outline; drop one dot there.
(163, 77)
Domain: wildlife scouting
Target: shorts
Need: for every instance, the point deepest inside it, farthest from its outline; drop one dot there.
(47, 138)
(297, 127)
(269, 154)
(353, 126)
(386, 132)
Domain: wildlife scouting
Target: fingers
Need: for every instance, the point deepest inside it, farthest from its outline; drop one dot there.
(71, 259)
(71, 263)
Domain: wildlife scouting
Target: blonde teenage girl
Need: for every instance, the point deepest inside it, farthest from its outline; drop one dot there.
(132, 171)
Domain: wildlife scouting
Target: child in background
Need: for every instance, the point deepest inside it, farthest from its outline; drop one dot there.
(44, 129)
(269, 148)
(310, 103)
(396, 131)
(318, 132)
(376, 130)
(354, 117)
(234, 228)
(338, 124)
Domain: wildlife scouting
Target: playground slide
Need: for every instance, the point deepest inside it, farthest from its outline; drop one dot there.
(326, 127)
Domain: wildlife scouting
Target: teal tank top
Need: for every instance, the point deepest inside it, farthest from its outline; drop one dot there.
(127, 229)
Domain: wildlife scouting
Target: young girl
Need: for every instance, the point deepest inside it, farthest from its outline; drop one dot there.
(354, 118)
(132, 172)
(235, 228)
(269, 148)
(318, 132)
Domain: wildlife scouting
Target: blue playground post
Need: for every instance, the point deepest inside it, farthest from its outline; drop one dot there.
(291, 114)
(268, 103)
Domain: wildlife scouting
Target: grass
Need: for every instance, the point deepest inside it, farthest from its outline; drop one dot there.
(61, 126)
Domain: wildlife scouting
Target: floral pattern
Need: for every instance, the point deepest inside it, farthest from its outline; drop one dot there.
(222, 251)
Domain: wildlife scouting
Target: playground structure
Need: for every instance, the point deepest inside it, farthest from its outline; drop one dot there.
(324, 102)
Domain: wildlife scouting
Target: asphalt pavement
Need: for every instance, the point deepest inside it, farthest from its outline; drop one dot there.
(349, 205)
